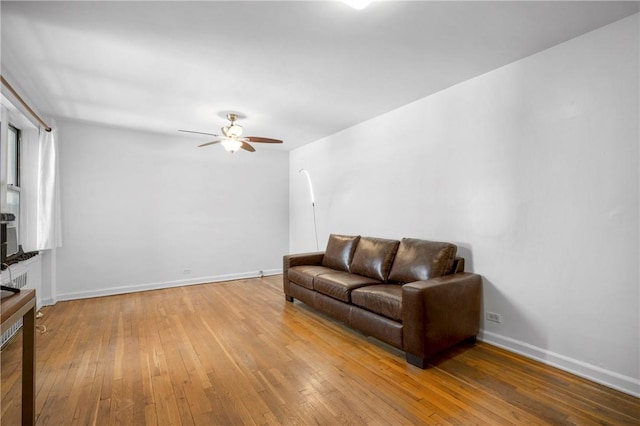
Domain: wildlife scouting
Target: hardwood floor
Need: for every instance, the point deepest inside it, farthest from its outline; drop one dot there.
(236, 353)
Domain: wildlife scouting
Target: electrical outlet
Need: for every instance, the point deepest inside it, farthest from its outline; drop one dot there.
(186, 271)
(493, 317)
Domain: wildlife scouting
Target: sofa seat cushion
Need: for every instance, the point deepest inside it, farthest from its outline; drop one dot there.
(303, 275)
(373, 257)
(339, 285)
(340, 249)
(382, 299)
(418, 260)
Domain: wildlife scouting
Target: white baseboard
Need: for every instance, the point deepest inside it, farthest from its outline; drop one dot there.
(157, 286)
(42, 303)
(588, 371)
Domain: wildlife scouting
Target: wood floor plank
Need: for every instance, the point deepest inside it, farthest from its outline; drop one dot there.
(236, 353)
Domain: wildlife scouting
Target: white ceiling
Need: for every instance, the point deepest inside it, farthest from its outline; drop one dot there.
(298, 70)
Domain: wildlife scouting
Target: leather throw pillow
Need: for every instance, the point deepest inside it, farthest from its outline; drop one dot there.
(339, 252)
(373, 257)
(419, 260)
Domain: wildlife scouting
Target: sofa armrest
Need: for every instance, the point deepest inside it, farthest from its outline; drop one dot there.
(290, 260)
(440, 312)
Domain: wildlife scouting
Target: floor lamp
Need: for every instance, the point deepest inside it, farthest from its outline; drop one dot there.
(313, 205)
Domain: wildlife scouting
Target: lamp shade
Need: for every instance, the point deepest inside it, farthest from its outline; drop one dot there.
(231, 145)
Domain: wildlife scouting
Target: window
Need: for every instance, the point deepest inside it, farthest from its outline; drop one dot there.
(13, 176)
(13, 154)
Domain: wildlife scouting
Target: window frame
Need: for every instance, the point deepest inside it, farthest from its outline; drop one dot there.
(18, 137)
(15, 188)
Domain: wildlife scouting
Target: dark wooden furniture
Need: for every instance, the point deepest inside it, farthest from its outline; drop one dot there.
(12, 308)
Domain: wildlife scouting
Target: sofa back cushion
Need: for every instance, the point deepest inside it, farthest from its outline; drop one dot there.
(339, 252)
(418, 260)
(373, 257)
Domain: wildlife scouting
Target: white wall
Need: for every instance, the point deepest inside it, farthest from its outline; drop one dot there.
(532, 169)
(138, 209)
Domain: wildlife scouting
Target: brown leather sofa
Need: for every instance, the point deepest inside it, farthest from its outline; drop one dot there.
(411, 294)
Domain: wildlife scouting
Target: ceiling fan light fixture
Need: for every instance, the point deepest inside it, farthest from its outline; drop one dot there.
(234, 131)
(231, 137)
(357, 4)
(231, 145)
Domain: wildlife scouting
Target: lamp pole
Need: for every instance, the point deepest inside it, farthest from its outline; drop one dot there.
(313, 205)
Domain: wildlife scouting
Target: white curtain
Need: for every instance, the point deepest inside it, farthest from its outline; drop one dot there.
(49, 235)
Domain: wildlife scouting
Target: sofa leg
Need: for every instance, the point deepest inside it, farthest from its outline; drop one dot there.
(416, 360)
(288, 298)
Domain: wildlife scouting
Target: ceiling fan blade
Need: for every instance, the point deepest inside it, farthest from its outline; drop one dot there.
(209, 143)
(263, 140)
(247, 147)
(199, 133)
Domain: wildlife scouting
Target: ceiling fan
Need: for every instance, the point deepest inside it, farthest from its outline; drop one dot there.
(232, 139)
